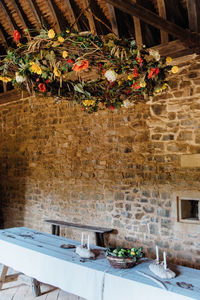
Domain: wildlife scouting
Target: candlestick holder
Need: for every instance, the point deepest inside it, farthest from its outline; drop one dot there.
(158, 268)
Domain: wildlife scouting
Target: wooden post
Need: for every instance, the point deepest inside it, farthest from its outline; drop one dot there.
(162, 13)
(113, 19)
(35, 287)
(3, 273)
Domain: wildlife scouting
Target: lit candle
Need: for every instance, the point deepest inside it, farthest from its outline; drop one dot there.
(165, 260)
(88, 243)
(157, 254)
(82, 238)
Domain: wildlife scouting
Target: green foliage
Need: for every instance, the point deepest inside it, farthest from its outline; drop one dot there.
(123, 72)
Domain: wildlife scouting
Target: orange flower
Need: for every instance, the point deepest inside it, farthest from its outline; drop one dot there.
(82, 65)
(42, 87)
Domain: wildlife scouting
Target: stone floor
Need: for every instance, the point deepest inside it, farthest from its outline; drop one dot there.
(18, 290)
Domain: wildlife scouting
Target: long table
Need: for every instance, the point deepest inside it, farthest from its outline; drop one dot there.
(40, 256)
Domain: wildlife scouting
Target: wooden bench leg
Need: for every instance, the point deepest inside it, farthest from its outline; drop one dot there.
(55, 229)
(35, 287)
(3, 273)
(99, 239)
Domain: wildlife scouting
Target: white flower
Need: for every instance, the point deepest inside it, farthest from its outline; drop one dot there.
(111, 75)
(155, 54)
(19, 78)
(126, 103)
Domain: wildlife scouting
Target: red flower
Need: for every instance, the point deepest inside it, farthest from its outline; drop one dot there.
(112, 107)
(16, 36)
(83, 65)
(112, 84)
(70, 61)
(42, 87)
(127, 92)
(139, 60)
(136, 86)
(47, 81)
(135, 72)
(153, 71)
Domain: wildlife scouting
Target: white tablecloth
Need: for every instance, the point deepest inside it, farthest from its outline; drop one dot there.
(39, 255)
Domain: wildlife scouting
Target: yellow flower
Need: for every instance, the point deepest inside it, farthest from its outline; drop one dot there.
(61, 39)
(120, 82)
(168, 59)
(57, 72)
(19, 44)
(130, 77)
(143, 84)
(35, 68)
(51, 34)
(165, 85)
(174, 69)
(88, 102)
(157, 90)
(65, 54)
(68, 31)
(5, 79)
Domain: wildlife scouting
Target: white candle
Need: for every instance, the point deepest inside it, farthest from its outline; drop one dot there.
(157, 254)
(165, 260)
(88, 243)
(82, 238)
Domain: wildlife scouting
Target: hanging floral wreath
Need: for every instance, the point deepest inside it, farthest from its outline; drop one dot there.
(95, 72)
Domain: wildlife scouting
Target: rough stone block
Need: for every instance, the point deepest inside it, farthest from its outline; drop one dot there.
(190, 161)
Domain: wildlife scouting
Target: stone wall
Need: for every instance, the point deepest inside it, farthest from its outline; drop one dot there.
(118, 169)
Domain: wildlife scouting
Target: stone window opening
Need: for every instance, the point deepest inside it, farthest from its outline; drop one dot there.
(188, 210)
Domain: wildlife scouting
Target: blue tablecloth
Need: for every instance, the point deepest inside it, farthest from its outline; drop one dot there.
(39, 255)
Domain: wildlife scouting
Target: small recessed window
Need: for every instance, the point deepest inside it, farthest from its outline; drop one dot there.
(188, 210)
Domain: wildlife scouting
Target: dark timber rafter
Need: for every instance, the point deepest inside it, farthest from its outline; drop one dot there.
(89, 16)
(162, 14)
(71, 14)
(191, 39)
(7, 17)
(138, 31)
(194, 15)
(113, 19)
(18, 12)
(54, 16)
(34, 11)
(3, 39)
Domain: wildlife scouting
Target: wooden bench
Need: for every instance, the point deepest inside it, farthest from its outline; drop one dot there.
(99, 231)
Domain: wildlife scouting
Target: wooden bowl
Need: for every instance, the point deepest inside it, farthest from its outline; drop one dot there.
(121, 262)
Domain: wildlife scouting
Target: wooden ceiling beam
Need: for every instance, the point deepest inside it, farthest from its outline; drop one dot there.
(54, 16)
(71, 14)
(113, 19)
(162, 14)
(138, 31)
(189, 38)
(31, 4)
(3, 39)
(193, 7)
(18, 12)
(89, 16)
(7, 17)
